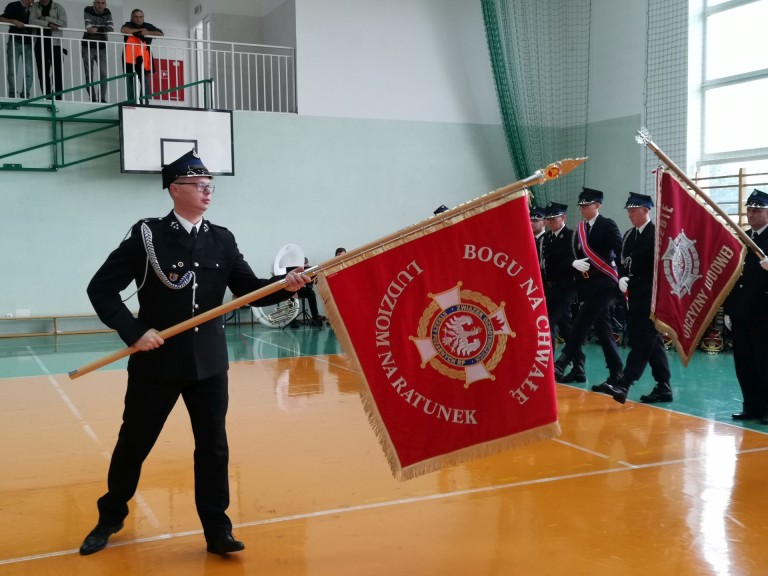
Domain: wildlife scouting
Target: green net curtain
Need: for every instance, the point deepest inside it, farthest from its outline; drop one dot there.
(539, 53)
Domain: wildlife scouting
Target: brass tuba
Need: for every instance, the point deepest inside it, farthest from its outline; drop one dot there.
(281, 314)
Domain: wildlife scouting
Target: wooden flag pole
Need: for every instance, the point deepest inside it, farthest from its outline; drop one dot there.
(551, 172)
(225, 308)
(643, 137)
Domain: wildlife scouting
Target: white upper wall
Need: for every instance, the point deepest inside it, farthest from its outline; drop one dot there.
(617, 59)
(422, 60)
(396, 60)
(257, 8)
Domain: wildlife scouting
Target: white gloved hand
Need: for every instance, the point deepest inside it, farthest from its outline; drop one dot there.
(623, 283)
(764, 263)
(581, 265)
(727, 321)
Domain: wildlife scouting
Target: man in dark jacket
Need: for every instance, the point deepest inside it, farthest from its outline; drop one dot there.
(597, 244)
(93, 48)
(51, 17)
(637, 269)
(182, 265)
(138, 58)
(18, 49)
(536, 216)
(747, 313)
(557, 271)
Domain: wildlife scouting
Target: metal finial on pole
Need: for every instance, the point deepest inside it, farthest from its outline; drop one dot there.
(644, 138)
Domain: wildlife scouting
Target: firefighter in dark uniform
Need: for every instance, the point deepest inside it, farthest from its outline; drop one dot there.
(557, 272)
(182, 265)
(636, 269)
(746, 311)
(597, 244)
(536, 215)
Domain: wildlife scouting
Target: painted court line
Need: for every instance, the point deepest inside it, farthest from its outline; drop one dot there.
(376, 505)
(140, 502)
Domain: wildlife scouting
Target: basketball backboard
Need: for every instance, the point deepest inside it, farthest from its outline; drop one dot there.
(154, 136)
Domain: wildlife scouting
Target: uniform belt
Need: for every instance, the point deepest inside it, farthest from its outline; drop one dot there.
(551, 283)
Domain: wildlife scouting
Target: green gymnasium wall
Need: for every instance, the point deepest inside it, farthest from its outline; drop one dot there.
(317, 182)
(615, 164)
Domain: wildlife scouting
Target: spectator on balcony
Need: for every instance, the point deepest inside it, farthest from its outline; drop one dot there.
(51, 17)
(138, 58)
(19, 46)
(93, 48)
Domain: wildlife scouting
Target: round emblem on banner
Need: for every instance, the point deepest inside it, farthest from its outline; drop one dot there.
(681, 264)
(463, 334)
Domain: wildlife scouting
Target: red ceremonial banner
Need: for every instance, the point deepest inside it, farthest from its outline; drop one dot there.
(448, 328)
(698, 259)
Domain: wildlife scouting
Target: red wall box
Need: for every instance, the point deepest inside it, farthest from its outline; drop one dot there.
(168, 74)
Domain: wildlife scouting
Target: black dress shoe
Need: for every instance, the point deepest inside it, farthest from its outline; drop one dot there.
(604, 388)
(743, 415)
(98, 537)
(656, 396)
(571, 377)
(618, 393)
(225, 545)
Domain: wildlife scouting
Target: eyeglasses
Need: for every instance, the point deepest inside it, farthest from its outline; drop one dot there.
(201, 186)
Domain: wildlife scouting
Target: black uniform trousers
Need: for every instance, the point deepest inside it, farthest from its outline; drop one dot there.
(144, 78)
(750, 345)
(148, 403)
(596, 300)
(306, 292)
(646, 344)
(560, 297)
(747, 306)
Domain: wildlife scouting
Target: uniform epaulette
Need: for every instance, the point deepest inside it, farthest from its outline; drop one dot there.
(146, 222)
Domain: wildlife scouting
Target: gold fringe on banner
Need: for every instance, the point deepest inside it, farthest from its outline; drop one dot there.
(336, 321)
(428, 226)
(325, 269)
(523, 438)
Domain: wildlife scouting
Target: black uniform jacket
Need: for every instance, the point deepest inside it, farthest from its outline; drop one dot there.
(749, 298)
(637, 264)
(637, 256)
(557, 257)
(605, 239)
(216, 262)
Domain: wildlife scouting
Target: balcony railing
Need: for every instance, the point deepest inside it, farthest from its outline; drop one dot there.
(245, 76)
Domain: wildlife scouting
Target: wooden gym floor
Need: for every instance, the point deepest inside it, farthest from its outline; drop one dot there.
(674, 489)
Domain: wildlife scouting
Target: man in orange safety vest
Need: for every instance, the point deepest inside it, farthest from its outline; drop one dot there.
(137, 55)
